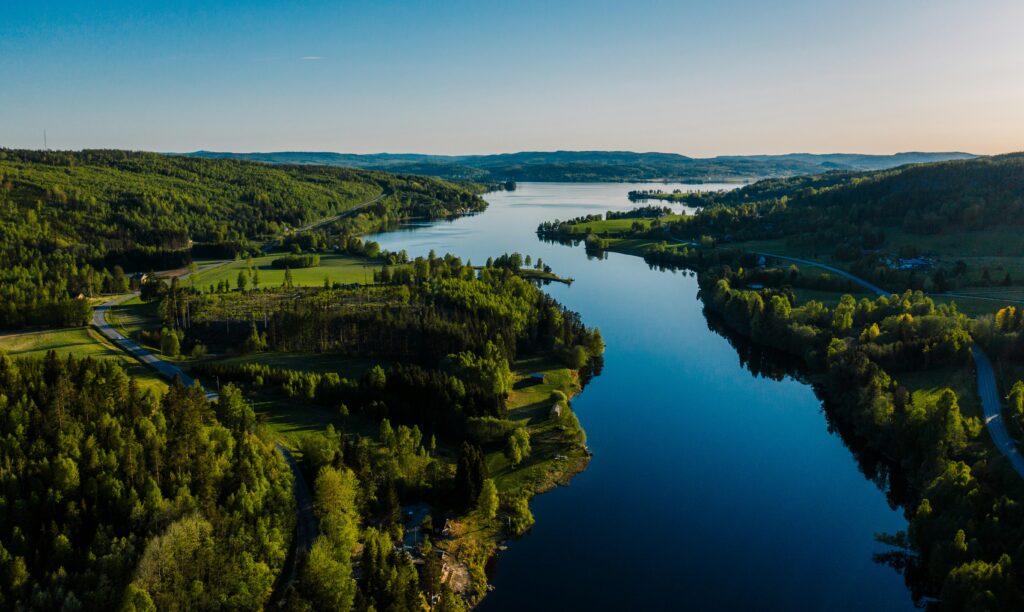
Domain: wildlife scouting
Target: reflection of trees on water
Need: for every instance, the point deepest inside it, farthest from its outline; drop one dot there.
(885, 473)
(767, 362)
(593, 369)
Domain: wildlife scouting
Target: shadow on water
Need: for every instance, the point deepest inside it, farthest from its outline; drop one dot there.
(773, 364)
(712, 486)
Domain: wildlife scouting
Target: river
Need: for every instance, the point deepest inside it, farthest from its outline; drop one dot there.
(711, 488)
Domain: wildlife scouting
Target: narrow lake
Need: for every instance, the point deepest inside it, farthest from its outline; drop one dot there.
(711, 488)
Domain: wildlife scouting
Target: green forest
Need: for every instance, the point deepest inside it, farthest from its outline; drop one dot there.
(77, 224)
(430, 420)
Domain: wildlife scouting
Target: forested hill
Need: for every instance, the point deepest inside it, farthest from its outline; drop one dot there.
(596, 165)
(919, 199)
(68, 218)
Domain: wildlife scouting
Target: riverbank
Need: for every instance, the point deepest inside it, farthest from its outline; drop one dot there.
(682, 431)
(471, 542)
(850, 347)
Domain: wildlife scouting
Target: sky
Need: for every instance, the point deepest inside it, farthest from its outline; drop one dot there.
(698, 77)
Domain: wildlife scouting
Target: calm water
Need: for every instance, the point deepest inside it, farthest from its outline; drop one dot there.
(710, 488)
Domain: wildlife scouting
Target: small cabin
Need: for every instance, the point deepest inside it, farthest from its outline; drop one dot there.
(556, 411)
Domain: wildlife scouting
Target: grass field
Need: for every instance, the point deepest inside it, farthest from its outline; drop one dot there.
(290, 419)
(828, 298)
(531, 407)
(338, 268)
(926, 385)
(81, 342)
(134, 315)
(552, 461)
(618, 225)
(349, 367)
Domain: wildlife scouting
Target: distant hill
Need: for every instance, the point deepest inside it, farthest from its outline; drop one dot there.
(67, 219)
(583, 166)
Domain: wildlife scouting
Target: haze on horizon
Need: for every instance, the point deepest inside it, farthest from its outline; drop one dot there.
(700, 78)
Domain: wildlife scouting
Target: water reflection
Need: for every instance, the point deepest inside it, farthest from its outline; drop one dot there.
(716, 483)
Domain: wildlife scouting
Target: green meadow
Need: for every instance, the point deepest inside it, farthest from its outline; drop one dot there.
(80, 342)
(337, 268)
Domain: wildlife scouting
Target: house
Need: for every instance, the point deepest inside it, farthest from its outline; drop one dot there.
(914, 263)
(556, 411)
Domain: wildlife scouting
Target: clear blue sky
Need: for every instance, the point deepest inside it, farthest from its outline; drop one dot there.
(695, 77)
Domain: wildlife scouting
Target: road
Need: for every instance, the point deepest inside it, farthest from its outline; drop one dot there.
(168, 370)
(266, 248)
(306, 526)
(988, 388)
(992, 406)
(860, 282)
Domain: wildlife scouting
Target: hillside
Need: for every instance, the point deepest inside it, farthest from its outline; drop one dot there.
(582, 166)
(948, 227)
(67, 219)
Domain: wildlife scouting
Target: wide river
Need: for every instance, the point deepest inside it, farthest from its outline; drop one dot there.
(711, 488)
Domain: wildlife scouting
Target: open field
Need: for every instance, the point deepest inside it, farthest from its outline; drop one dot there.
(290, 419)
(618, 225)
(349, 367)
(338, 268)
(926, 385)
(134, 315)
(531, 406)
(81, 342)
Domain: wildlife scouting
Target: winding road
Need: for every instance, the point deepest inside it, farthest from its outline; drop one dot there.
(306, 526)
(988, 388)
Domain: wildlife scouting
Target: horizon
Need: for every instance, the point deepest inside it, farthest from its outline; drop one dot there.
(701, 80)
(518, 152)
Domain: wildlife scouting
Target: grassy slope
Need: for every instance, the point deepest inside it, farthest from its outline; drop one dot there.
(81, 342)
(339, 268)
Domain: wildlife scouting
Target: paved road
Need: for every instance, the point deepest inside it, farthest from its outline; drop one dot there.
(992, 406)
(988, 388)
(133, 348)
(306, 526)
(856, 280)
